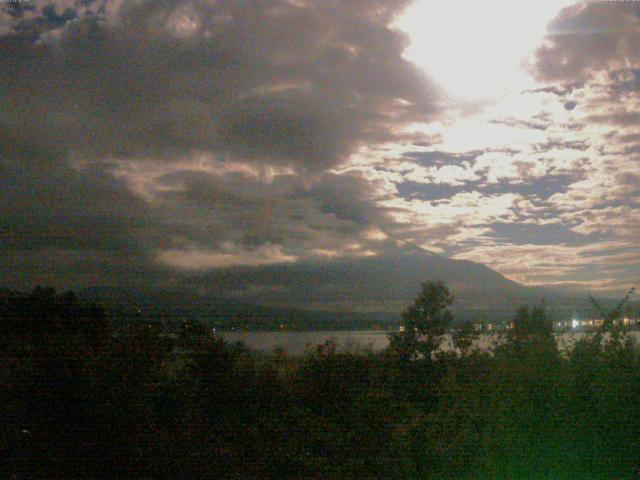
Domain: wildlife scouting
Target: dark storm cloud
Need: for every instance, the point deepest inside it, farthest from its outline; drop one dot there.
(67, 229)
(590, 37)
(301, 83)
(213, 208)
(57, 207)
(85, 86)
(346, 197)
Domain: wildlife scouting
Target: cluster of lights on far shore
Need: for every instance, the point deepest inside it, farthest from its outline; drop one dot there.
(591, 323)
(574, 324)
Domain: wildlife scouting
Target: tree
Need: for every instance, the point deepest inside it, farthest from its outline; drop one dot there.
(531, 325)
(611, 321)
(45, 314)
(424, 323)
(463, 338)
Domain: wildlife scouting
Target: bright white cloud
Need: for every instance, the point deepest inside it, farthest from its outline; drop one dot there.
(476, 49)
(202, 259)
(531, 264)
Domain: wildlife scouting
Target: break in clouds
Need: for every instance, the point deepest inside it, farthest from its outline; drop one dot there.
(144, 141)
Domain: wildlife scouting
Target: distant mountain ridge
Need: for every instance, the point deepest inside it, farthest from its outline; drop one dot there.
(359, 292)
(381, 283)
(385, 284)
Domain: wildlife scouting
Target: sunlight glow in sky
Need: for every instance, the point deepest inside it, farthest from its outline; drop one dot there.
(173, 138)
(477, 52)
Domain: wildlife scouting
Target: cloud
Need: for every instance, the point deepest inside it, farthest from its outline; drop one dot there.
(598, 266)
(195, 134)
(446, 224)
(224, 213)
(589, 37)
(452, 175)
(299, 83)
(566, 175)
(191, 259)
(144, 141)
(622, 220)
(58, 207)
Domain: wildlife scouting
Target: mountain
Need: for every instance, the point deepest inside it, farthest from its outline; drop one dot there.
(338, 293)
(383, 283)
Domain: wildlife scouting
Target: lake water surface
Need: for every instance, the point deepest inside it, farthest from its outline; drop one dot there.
(298, 342)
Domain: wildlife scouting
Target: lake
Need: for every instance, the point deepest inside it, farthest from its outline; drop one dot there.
(298, 342)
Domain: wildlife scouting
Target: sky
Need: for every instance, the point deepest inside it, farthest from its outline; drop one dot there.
(141, 141)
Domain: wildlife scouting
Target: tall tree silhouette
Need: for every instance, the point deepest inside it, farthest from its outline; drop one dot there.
(424, 323)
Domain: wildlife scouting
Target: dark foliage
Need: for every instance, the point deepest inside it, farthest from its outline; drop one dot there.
(424, 322)
(80, 400)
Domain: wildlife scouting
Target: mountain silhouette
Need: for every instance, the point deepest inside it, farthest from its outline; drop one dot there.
(337, 292)
(380, 283)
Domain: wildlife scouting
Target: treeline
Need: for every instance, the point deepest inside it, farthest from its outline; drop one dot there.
(172, 308)
(80, 398)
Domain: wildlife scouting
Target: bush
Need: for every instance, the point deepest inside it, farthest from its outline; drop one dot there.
(139, 403)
